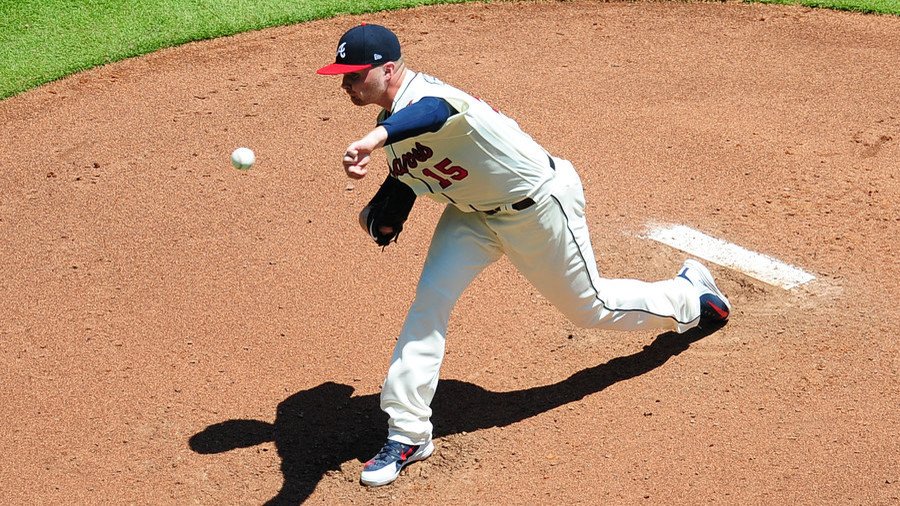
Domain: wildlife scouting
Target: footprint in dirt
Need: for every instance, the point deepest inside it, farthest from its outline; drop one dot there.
(875, 138)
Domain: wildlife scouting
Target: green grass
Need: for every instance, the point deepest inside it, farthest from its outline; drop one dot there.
(44, 40)
(867, 6)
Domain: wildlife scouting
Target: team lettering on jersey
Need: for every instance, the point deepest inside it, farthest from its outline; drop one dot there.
(411, 159)
(419, 154)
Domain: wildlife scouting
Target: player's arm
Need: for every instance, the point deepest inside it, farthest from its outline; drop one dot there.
(358, 153)
(427, 115)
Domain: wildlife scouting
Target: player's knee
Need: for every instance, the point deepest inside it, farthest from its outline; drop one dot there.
(587, 318)
(583, 321)
(427, 292)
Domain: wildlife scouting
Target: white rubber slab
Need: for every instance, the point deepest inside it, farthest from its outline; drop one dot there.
(726, 254)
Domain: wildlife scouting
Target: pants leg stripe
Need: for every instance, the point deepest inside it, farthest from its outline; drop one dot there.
(593, 286)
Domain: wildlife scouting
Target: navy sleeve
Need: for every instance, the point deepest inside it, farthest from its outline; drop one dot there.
(427, 115)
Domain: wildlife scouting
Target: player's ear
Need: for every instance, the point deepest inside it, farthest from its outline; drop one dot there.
(389, 69)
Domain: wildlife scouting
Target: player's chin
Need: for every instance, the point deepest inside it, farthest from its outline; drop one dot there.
(356, 100)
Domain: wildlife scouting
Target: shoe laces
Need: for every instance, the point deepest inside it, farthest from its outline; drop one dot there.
(392, 451)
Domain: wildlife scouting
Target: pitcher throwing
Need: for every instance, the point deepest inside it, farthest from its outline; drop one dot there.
(505, 195)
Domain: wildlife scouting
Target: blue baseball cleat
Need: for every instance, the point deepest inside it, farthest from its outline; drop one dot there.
(393, 457)
(714, 307)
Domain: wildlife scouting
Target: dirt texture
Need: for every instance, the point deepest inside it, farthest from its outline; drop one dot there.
(175, 331)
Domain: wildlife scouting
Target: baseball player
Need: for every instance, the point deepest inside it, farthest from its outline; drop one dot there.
(505, 195)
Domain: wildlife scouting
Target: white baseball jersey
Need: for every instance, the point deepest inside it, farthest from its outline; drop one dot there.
(479, 160)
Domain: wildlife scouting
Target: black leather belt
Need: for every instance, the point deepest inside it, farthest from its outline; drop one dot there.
(518, 206)
(524, 203)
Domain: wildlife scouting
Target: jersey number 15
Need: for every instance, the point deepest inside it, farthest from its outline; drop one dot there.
(445, 168)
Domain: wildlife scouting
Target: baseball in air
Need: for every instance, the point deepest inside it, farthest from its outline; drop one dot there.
(242, 158)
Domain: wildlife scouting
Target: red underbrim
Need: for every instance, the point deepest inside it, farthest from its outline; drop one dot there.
(339, 68)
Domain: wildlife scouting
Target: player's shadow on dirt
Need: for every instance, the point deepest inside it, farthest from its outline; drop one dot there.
(317, 430)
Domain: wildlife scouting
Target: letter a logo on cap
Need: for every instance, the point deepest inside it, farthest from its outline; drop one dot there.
(363, 47)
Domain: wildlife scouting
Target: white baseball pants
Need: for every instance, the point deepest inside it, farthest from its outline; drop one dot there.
(550, 245)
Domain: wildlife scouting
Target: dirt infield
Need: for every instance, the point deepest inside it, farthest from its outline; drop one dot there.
(174, 331)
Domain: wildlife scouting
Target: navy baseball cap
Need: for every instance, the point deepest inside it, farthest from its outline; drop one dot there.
(363, 47)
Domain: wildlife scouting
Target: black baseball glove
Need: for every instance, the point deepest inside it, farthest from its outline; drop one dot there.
(389, 207)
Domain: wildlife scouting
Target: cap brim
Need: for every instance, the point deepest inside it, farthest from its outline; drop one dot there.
(340, 68)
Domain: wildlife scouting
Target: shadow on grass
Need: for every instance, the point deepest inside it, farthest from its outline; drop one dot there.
(318, 429)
